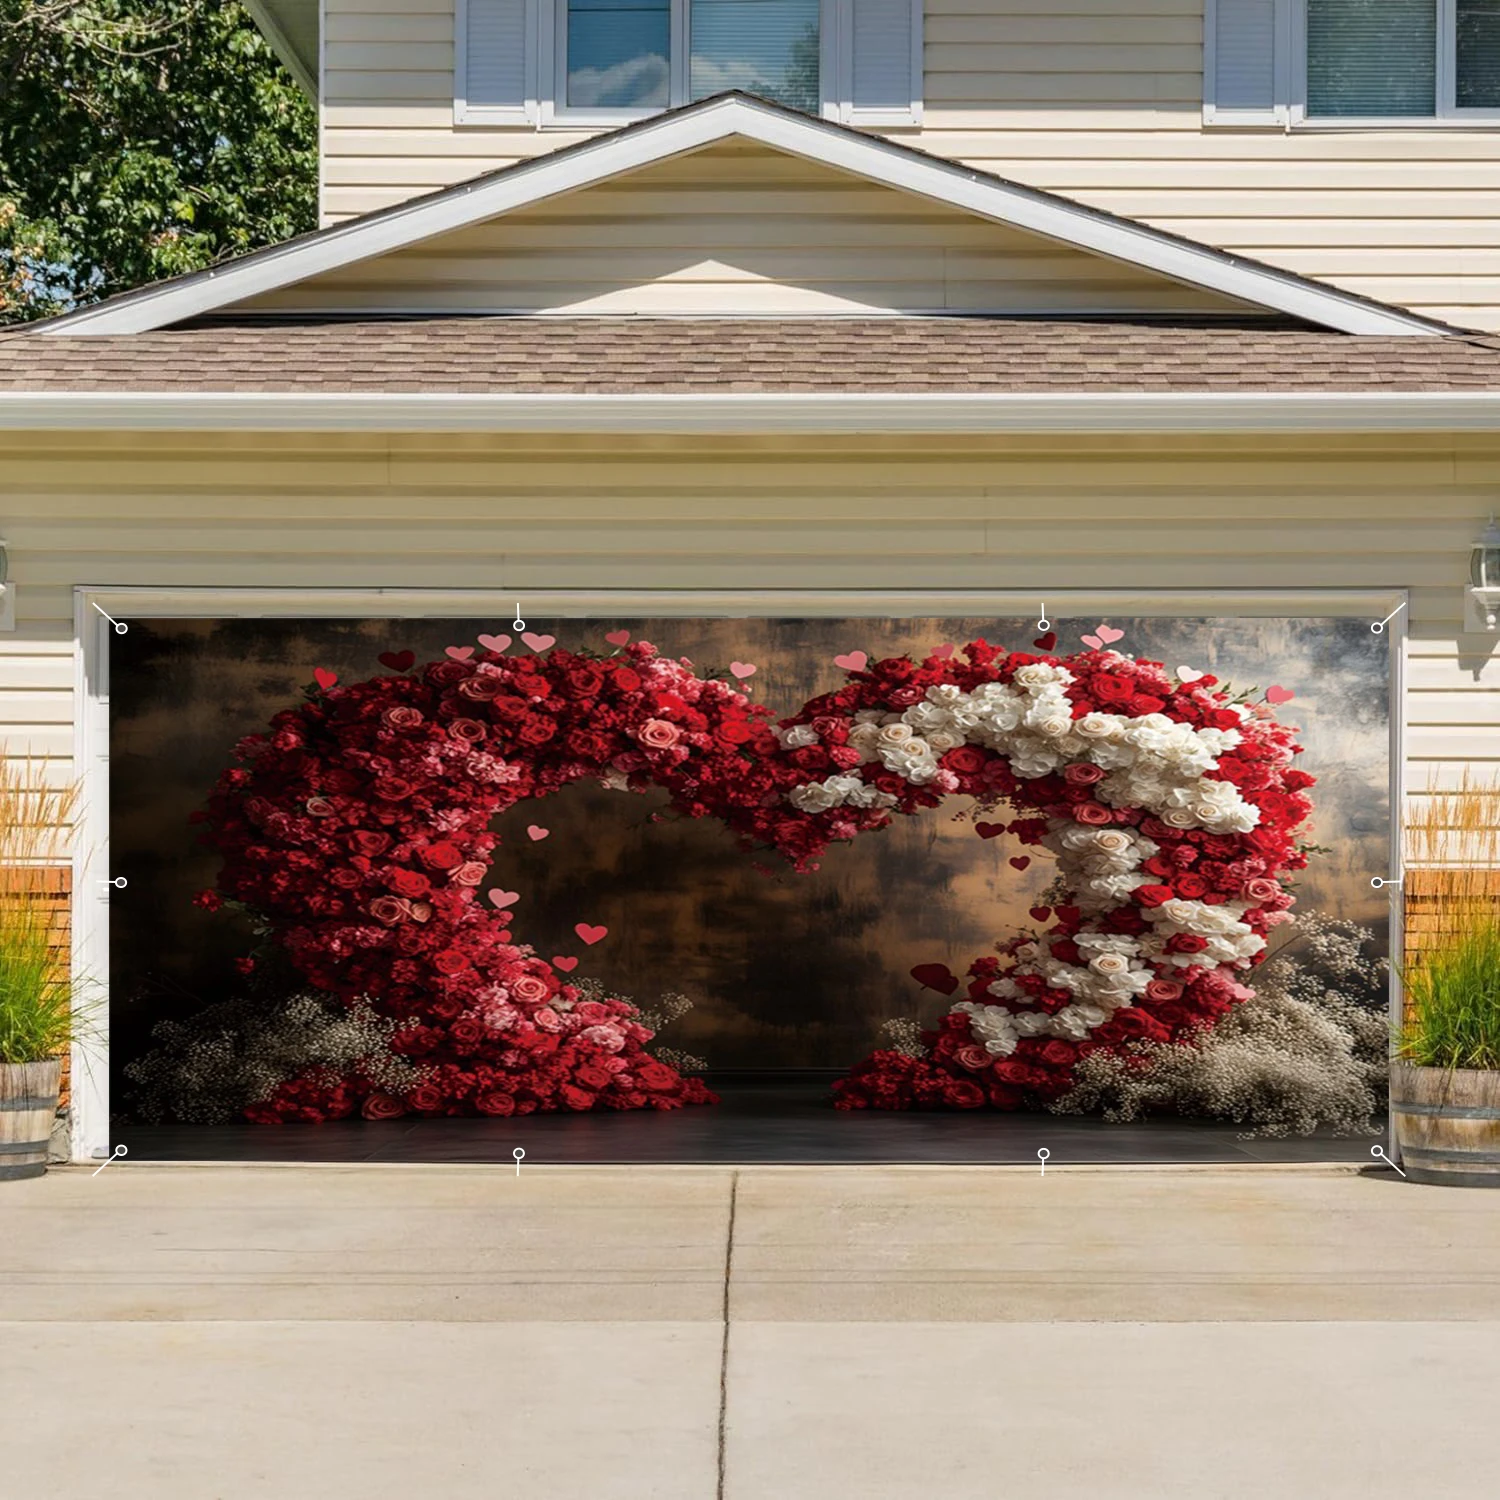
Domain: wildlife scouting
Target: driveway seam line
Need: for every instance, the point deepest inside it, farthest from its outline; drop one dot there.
(734, 1191)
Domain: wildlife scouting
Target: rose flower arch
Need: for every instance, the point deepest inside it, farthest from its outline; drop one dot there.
(356, 828)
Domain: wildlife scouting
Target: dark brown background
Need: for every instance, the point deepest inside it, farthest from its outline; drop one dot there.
(786, 971)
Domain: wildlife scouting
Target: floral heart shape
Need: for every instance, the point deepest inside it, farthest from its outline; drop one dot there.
(567, 965)
(742, 669)
(538, 643)
(1046, 642)
(1020, 861)
(852, 661)
(499, 644)
(1279, 695)
(459, 653)
(937, 977)
(398, 661)
(618, 637)
(1160, 922)
(536, 833)
(324, 678)
(991, 830)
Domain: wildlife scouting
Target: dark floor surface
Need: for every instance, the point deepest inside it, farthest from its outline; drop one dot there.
(759, 1124)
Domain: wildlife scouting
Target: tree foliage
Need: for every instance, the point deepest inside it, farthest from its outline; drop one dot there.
(140, 139)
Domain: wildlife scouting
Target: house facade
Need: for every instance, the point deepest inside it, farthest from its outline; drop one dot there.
(854, 306)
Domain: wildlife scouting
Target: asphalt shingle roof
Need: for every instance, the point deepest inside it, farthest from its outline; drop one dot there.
(559, 355)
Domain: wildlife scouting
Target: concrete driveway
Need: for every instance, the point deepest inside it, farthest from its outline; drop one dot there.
(388, 1333)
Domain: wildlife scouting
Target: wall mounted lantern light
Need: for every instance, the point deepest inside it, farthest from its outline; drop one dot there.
(7, 591)
(1482, 597)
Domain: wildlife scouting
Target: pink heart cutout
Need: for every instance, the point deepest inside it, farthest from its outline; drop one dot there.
(567, 965)
(1275, 694)
(324, 678)
(1092, 640)
(536, 833)
(538, 642)
(460, 653)
(591, 935)
(502, 899)
(1187, 674)
(852, 661)
(742, 669)
(1107, 634)
(495, 643)
(618, 637)
(944, 652)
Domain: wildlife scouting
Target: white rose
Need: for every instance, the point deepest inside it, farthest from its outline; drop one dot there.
(814, 798)
(1053, 725)
(1111, 840)
(1097, 726)
(1035, 675)
(1178, 817)
(895, 734)
(799, 736)
(1109, 964)
(942, 742)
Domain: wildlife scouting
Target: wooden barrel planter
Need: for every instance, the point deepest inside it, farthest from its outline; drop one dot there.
(1448, 1124)
(28, 1105)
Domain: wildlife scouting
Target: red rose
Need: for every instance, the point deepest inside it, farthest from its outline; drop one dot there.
(972, 1056)
(382, 1107)
(1185, 942)
(450, 961)
(470, 731)
(594, 1078)
(535, 730)
(495, 1103)
(389, 910)
(393, 788)
(1059, 1054)
(344, 878)
(735, 732)
(576, 1098)
(654, 1075)
(426, 1098)
(1012, 1070)
(965, 760)
(441, 856)
(626, 680)
(962, 1093)
(208, 900)
(584, 680)
(409, 882)
(1189, 886)
(1153, 895)
(371, 844)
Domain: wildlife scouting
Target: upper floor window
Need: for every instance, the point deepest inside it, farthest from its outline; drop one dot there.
(1351, 61)
(605, 62)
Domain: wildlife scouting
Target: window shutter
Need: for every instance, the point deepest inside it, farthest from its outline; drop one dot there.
(1247, 61)
(884, 58)
(495, 68)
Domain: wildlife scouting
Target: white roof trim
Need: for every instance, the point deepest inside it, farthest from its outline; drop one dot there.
(762, 412)
(871, 157)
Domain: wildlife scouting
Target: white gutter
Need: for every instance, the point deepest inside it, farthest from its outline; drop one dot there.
(1084, 411)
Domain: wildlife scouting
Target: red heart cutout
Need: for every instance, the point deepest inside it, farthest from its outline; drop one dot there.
(495, 643)
(937, 977)
(1041, 913)
(567, 965)
(1020, 861)
(460, 653)
(618, 637)
(591, 935)
(990, 830)
(1276, 694)
(1046, 642)
(398, 661)
(324, 678)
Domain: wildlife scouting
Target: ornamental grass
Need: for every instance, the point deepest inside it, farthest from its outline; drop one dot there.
(1452, 1017)
(36, 985)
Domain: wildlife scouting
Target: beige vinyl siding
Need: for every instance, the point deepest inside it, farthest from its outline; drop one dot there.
(738, 228)
(467, 511)
(1097, 99)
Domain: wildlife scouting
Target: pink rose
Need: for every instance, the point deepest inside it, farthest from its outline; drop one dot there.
(1163, 990)
(319, 807)
(528, 988)
(606, 1038)
(471, 731)
(471, 873)
(546, 1019)
(658, 734)
(389, 910)
(1262, 889)
(590, 1012)
(1092, 814)
(401, 716)
(972, 1056)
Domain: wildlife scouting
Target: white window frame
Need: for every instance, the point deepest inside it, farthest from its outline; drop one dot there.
(547, 73)
(464, 113)
(1291, 82)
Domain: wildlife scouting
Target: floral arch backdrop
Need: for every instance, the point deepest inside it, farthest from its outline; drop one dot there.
(356, 829)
